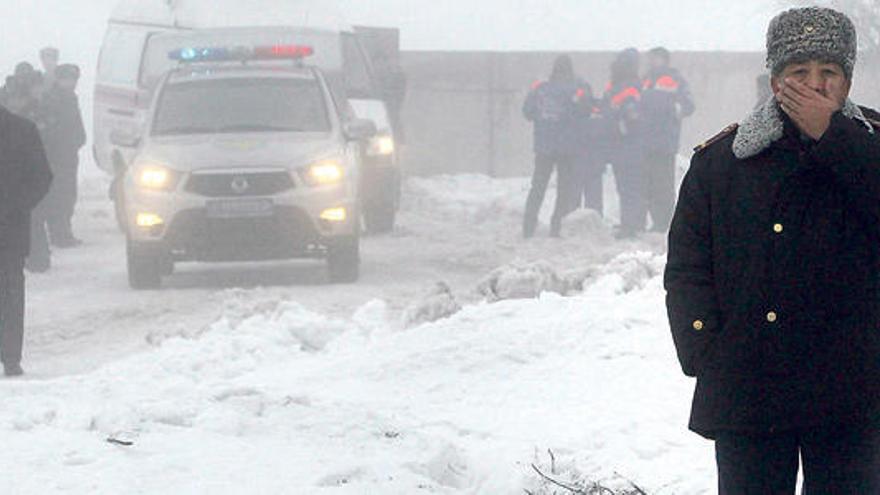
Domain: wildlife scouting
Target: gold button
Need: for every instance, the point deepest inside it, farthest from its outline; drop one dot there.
(698, 325)
(778, 228)
(809, 28)
(772, 317)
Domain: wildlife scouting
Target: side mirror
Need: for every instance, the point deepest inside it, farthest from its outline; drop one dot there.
(360, 130)
(125, 139)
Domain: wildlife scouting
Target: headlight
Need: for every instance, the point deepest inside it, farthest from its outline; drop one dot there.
(323, 173)
(382, 145)
(156, 177)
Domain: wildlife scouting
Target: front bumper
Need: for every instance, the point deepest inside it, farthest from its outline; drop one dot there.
(293, 228)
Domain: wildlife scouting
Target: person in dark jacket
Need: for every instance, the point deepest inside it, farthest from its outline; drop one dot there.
(773, 276)
(552, 106)
(21, 96)
(63, 136)
(666, 100)
(26, 178)
(623, 138)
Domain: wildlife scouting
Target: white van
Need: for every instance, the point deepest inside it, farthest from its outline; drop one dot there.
(134, 56)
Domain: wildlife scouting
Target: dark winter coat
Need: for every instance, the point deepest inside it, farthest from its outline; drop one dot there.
(553, 108)
(773, 281)
(62, 128)
(588, 121)
(25, 178)
(622, 124)
(666, 100)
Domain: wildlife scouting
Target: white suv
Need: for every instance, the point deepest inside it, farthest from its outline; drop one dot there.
(243, 160)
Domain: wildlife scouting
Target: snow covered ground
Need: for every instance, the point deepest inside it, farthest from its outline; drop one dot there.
(438, 372)
(244, 379)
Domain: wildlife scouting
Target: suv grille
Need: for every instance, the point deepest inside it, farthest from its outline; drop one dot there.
(240, 185)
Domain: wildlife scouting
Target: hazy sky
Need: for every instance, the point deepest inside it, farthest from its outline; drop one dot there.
(571, 24)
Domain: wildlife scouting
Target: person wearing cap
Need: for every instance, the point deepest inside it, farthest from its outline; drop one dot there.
(26, 178)
(666, 100)
(63, 135)
(49, 60)
(773, 275)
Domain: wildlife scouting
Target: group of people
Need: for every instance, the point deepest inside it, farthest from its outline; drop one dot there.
(41, 133)
(635, 126)
(48, 99)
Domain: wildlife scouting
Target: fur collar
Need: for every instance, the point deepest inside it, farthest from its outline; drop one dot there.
(765, 126)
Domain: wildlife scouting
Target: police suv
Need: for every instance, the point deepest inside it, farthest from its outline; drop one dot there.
(246, 156)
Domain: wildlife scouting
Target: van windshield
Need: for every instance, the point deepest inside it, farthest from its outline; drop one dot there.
(241, 105)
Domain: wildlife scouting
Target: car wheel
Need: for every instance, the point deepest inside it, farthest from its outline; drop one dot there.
(344, 261)
(145, 267)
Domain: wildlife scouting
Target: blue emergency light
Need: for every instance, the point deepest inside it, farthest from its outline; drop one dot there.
(241, 54)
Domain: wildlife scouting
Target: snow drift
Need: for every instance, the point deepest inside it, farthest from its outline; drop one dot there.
(287, 400)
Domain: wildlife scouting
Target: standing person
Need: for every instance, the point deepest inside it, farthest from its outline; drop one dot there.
(773, 275)
(21, 96)
(624, 132)
(26, 179)
(63, 135)
(552, 107)
(49, 57)
(666, 100)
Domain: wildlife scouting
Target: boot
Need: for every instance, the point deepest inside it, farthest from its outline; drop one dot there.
(12, 370)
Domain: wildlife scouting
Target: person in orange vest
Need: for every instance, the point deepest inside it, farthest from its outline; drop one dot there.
(666, 100)
(623, 135)
(553, 106)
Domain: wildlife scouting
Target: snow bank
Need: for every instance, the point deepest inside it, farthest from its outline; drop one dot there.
(287, 400)
(522, 281)
(437, 304)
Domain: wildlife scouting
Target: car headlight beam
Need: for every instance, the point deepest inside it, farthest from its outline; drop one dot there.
(324, 173)
(156, 177)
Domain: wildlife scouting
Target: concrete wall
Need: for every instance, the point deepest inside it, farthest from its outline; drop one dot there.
(463, 112)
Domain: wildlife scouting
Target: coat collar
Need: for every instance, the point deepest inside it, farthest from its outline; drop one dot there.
(765, 126)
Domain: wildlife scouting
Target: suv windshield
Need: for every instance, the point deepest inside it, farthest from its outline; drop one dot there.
(241, 105)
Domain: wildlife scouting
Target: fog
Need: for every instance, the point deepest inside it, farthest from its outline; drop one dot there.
(331, 281)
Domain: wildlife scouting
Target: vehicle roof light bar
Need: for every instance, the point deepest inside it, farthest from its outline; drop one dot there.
(241, 54)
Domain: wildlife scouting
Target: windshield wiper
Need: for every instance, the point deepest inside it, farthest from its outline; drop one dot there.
(257, 128)
(171, 131)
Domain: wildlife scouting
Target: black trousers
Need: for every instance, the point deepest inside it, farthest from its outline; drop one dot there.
(61, 201)
(40, 257)
(590, 170)
(565, 203)
(836, 460)
(11, 309)
(628, 162)
(660, 169)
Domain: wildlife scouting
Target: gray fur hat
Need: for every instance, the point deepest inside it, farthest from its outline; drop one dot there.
(811, 33)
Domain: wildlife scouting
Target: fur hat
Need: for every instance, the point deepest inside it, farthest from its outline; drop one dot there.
(812, 33)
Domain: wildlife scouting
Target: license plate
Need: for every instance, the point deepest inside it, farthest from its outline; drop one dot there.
(241, 208)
